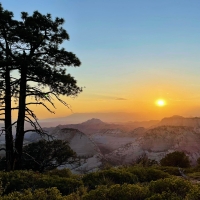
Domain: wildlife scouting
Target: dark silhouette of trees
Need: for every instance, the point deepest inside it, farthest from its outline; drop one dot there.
(175, 159)
(32, 48)
(198, 162)
(47, 155)
(7, 84)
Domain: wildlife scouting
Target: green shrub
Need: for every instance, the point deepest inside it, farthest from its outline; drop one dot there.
(20, 180)
(191, 170)
(171, 185)
(64, 185)
(194, 193)
(165, 196)
(78, 194)
(176, 159)
(39, 194)
(194, 175)
(127, 191)
(116, 192)
(65, 173)
(147, 174)
(170, 170)
(99, 194)
(155, 174)
(108, 177)
(73, 196)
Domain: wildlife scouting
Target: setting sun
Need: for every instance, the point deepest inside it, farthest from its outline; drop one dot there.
(160, 102)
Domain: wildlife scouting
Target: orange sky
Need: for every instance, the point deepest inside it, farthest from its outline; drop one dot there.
(132, 53)
(147, 106)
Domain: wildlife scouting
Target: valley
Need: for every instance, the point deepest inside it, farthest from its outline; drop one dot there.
(98, 142)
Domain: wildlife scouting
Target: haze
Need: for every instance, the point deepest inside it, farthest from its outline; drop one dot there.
(133, 53)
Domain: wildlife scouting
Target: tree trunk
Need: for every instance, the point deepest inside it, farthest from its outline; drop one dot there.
(8, 123)
(21, 120)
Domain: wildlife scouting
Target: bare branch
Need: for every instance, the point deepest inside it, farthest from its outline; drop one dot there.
(31, 157)
(41, 103)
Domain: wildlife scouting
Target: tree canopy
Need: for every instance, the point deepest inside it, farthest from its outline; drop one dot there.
(32, 47)
(47, 155)
(175, 159)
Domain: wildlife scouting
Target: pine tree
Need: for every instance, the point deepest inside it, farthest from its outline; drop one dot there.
(35, 52)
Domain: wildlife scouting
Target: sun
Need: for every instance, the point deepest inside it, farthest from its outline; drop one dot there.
(160, 102)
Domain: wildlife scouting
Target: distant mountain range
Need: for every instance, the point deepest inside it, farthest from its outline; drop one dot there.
(114, 117)
(94, 125)
(117, 118)
(122, 143)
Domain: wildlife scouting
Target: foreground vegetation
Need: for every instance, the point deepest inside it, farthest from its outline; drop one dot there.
(124, 183)
(145, 179)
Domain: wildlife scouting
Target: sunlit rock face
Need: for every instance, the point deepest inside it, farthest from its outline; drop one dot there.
(158, 142)
(78, 141)
(91, 157)
(109, 140)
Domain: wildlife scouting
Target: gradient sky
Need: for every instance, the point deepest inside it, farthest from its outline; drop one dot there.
(133, 52)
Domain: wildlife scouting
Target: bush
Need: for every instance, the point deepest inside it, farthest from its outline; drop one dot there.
(64, 185)
(29, 185)
(175, 159)
(163, 189)
(170, 170)
(99, 194)
(147, 174)
(116, 192)
(171, 185)
(39, 194)
(77, 195)
(20, 180)
(155, 174)
(194, 193)
(73, 196)
(108, 177)
(165, 196)
(65, 173)
(128, 191)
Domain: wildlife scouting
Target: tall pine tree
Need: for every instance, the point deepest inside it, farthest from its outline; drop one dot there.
(35, 52)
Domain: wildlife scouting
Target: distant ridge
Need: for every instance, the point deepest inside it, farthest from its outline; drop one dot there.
(177, 120)
(176, 117)
(108, 117)
(93, 121)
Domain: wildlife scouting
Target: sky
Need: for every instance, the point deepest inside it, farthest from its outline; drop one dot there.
(132, 52)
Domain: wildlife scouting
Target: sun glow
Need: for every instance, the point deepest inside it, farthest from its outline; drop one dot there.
(160, 102)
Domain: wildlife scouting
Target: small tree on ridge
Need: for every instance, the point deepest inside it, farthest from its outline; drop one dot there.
(176, 159)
